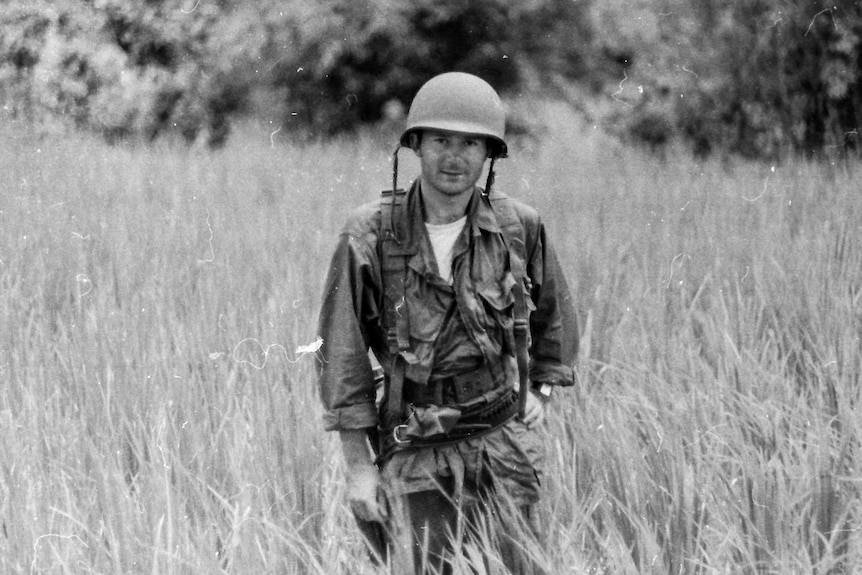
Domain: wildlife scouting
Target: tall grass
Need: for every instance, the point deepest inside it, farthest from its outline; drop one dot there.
(157, 417)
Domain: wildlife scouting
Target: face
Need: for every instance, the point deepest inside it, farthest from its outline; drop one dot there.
(451, 162)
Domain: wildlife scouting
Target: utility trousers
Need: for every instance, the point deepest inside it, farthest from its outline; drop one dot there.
(466, 507)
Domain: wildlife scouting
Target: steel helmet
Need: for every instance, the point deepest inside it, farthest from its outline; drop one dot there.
(459, 102)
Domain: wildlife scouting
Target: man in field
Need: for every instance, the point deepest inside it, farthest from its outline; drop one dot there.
(459, 296)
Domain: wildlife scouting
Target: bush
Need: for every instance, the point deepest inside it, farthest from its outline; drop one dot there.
(340, 64)
(760, 79)
(121, 67)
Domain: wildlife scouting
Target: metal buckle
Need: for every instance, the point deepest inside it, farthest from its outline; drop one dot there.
(395, 435)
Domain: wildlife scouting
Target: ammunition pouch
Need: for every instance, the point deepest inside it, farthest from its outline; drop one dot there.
(456, 390)
(434, 426)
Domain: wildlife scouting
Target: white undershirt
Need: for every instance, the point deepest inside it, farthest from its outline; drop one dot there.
(443, 237)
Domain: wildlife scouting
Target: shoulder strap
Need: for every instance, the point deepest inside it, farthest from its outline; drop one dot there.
(393, 265)
(515, 236)
(513, 232)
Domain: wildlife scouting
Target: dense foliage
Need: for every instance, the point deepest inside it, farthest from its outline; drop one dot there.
(123, 67)
(762, 78)
(755, 77)
(344, 61)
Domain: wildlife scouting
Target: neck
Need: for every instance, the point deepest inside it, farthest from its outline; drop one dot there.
(442, 208)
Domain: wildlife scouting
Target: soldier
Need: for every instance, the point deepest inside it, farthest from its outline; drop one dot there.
(459, 296)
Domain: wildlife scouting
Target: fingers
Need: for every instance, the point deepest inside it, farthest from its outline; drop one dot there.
(534, 418)
(535, 412)
(365, 494)
(367, 511)
(371, 510)
(382, 505)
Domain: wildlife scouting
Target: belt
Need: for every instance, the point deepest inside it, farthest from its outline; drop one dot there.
(476, 420)
(458, 389)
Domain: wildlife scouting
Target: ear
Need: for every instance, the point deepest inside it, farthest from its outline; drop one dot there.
(415, 143)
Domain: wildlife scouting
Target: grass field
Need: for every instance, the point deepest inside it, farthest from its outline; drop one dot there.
(159, 415)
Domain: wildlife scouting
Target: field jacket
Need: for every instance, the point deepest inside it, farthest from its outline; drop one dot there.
(453, 329)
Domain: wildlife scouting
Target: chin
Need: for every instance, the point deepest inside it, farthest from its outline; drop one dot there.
(456, 191)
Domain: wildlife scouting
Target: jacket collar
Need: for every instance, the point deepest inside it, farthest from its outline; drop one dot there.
(409, 223)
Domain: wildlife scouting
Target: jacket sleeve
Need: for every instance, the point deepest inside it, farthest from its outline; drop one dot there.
(553, 324)
(348, 311)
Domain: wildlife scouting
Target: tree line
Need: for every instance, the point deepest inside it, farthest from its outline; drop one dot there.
(760, 78)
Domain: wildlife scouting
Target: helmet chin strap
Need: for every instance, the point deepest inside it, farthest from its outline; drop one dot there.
(395, 168)
(394, 189)
(490, 181)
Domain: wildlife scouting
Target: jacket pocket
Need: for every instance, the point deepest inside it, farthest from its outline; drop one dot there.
(499, 296)
(498, 300)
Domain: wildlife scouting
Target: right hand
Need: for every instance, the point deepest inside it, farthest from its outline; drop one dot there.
(364, 493)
